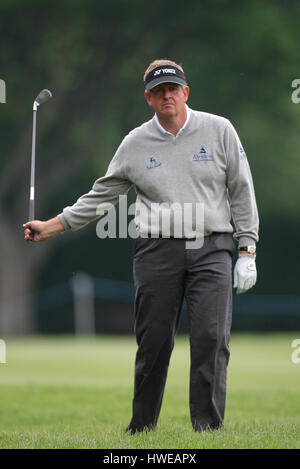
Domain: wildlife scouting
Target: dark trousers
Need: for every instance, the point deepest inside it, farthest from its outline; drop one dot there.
(165, 273)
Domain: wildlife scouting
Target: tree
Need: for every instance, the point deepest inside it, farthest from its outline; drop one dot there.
(240, 59)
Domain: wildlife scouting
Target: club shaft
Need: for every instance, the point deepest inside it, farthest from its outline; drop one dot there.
(32, 174)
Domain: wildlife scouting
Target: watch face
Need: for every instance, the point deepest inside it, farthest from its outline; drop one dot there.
(252, 249)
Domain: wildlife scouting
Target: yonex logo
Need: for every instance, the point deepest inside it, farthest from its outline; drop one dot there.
(164, 70)
(153, 163)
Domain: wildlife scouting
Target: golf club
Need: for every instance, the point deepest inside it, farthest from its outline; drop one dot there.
(41, 98)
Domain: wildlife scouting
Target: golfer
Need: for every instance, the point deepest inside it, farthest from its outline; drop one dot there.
(180, 156)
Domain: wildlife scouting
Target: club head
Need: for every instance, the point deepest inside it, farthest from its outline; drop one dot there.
(42, 98)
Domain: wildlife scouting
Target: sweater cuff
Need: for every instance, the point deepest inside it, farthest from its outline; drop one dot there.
(64, 222)
(246, 241)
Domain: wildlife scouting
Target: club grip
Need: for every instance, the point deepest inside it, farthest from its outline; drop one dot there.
(31, 235)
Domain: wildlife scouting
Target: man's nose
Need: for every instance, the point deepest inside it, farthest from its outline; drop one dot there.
(166, 93)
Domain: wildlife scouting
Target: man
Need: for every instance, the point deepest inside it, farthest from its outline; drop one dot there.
(180, 156)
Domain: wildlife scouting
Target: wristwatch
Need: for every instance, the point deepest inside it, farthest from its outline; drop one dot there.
(248, 249)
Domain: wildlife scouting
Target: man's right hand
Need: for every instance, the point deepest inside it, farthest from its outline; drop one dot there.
(42, 229)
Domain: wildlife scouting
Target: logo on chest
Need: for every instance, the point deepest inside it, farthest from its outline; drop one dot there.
(153, 163)
(202, 156)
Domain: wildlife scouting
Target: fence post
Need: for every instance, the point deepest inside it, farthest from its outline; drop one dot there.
(2, 351)
(84, 304)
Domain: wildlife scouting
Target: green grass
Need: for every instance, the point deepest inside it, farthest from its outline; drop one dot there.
(76, 393)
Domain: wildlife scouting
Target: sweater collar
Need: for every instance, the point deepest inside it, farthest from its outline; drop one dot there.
(164, 131)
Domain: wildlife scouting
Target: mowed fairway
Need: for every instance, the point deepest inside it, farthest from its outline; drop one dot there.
(76, 393)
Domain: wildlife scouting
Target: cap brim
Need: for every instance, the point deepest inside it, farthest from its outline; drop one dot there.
(167, 79)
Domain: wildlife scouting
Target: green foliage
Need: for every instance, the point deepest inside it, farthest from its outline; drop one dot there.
(240, 59)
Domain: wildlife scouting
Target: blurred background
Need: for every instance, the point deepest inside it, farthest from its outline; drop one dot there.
(240, 59)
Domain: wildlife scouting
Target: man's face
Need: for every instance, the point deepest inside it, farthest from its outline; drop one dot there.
(167, 99)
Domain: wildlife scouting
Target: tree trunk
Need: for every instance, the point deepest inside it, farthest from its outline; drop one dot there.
(20, 263)
(16, 304)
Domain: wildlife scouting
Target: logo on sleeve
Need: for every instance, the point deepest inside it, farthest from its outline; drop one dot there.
(242, 153)
(202, 156)
(153, 163)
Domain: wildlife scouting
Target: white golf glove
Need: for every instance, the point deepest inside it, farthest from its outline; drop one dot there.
(244, 273)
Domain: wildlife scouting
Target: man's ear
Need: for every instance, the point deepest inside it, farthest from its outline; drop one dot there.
(186, 93)
(148, 98)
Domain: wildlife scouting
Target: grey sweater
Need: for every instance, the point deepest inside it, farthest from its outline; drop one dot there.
(205, 164)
